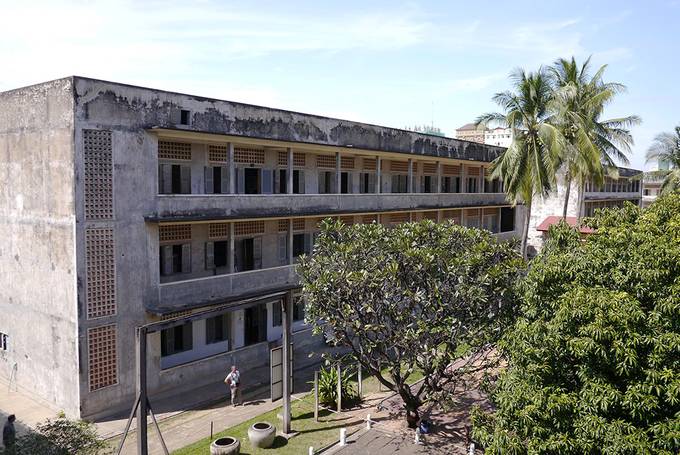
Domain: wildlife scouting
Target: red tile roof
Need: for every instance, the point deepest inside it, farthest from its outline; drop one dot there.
(571, 221)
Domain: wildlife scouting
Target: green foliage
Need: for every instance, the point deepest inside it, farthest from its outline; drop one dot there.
(666, 148)
(328, 387)
(410, 298)
(594, 363)
(60, 436)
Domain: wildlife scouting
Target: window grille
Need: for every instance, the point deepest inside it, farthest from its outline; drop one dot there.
(299, 159)
(429, 168)
(174, 151)
(347, 219)
(249, 228)
(398, 166)
(98, 185)
(174, 232)
(102, 357)
(452, 215)
(451, 169)
(217, 153)
(283, 225)
(471, 212)
(473, 171)
(249, 156)
(100, 272)
(283, 159)
(399, 217)
(218, 230)
(430, 216)
(367, 219)
(369, 164)
(298, 224)
(347, 162)
(327, 161)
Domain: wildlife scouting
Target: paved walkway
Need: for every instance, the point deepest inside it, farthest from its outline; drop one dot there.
(28, 411)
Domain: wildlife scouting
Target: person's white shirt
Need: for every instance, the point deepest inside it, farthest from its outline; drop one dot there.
(233, 378)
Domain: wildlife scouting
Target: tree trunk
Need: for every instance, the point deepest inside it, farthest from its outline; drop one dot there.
(525, 234)
(412, 417)
(567, 181)
(580, 198)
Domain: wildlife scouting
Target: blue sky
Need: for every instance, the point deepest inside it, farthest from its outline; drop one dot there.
(386, 62)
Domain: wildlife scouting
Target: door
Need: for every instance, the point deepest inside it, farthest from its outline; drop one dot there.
(255, 324)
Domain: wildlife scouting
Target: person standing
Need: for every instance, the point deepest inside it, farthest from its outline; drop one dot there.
(233, 380)
(9, 434)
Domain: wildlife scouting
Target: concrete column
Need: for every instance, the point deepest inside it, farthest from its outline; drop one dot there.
(289, 172)
(439, 177)
(230, 252)
(338, 170)
(290, 241)
(439, 216)
(409, 183)
(232, 168)
(463, 179)
(286, 304)
(142, 410)
(482, 179)
(378, 173)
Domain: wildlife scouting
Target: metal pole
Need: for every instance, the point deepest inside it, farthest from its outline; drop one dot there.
(359, 382)
(158, 429)
(316, 396)
(127, 426)
(142, 442)
(339, 388)
(285, 313)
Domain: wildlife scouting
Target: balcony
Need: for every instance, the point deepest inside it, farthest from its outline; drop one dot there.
(180, 295)
(197, 207)
(608, 195)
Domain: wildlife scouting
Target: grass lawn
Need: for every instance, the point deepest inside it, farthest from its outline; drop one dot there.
(310, 433)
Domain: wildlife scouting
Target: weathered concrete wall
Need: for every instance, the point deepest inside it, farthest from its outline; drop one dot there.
(37, 255)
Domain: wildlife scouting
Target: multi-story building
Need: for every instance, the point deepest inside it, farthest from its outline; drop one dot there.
(123, 205)
(501, 137)
(612, 193)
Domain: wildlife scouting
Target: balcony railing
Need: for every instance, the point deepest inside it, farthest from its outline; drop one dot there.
(232, 206)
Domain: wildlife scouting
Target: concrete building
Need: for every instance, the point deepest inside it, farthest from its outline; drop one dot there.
(500, 137)
(613, 193)
(123, 205)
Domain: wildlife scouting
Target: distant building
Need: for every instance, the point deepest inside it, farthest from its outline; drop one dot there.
(501, 137)
(651, 185)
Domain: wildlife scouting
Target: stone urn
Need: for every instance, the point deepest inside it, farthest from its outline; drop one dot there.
(262, 434)
(225, 446)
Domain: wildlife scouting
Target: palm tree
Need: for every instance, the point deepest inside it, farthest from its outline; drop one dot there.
(592, 145)
(666, 147)
(527, 168)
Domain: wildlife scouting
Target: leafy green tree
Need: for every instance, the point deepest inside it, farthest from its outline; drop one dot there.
(528, 167)
(417, 296)
(60, 436)
(594, 362)
(666, 148)
(592, 145)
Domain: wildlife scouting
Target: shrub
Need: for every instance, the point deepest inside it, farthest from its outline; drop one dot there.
(328, 387)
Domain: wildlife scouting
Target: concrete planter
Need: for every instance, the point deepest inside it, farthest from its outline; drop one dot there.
(262, 434)
(225, 446)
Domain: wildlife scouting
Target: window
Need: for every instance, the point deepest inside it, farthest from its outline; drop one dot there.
(277, 314)
(248, 254)
(491, 222)
(177, 339)
(507, 219)
(216, 254)
(345, 182)
(184, 117)
(298, 308)
(471, 185)
(281, 183)
(367, 182)
(298, 245)
(326, 182)
(4, 346)
(450, 184)
(174, 178)
(175, 259)
(428, 184)
(255, 324)
(251, 180)
(216, 180)
(399, 183)
(216, 329)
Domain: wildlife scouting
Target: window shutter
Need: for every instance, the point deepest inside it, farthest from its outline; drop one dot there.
(267, 181)
(224, 179)
(301, 182)
(209, 255)
(209, 186)
(165, 175)
(309, 243)
(283, 249)
(422, 183)
(166, 260)
(362, 183)
(238, 249)
(277, 180)
(350, 190)
(187, 336)
(257, 253)
(334, 182)
(372, 180)
(240, 180)
(186, 258)
(322, 180)
(395, 184)
(185, 179)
